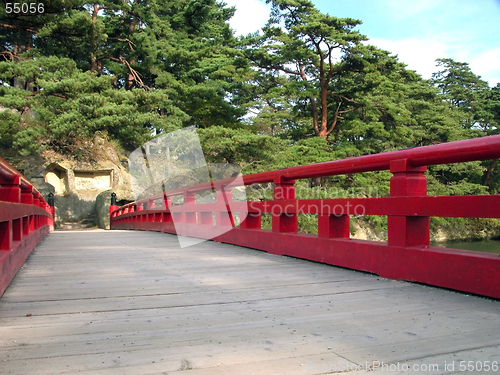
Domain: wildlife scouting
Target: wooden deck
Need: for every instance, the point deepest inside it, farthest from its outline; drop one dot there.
(125, 302)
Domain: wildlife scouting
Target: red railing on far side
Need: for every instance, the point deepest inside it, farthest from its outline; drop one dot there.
(407, 255)
(25, 218)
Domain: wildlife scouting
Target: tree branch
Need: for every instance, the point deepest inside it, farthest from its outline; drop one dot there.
(288, 71)
(130, 44)
(38, 92)
(136, 77)
(4, 25)
(342, 97)
(486, 180)
(336, 117)
(7, 53)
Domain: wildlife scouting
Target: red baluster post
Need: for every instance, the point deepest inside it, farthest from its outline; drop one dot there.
(224, 218)
(334, 225)
(27, 198)
(189, 200)
(407, 181)
(167, 216)
(10, 191)
(283, 222)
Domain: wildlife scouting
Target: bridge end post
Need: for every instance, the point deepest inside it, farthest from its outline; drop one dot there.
(51, 207)
(112, 208)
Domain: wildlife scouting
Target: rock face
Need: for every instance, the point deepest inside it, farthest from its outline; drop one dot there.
(103, 201)
(76, 183)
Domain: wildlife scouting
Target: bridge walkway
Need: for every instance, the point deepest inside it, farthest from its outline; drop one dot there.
(131, 302)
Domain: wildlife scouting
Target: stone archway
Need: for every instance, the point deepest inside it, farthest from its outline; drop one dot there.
(57, 176)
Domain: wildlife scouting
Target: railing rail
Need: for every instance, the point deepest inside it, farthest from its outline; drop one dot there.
(406, 255)
(25, 218)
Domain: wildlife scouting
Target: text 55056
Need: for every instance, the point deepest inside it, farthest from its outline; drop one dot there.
(25, 8)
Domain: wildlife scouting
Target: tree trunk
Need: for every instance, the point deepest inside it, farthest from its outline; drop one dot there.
(93, 55)
(130, 76)
(486, 181)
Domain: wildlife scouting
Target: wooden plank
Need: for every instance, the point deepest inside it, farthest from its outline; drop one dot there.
(163, 299)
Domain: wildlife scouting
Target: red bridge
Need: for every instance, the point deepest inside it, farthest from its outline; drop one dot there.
(133, 302)
(406, 255)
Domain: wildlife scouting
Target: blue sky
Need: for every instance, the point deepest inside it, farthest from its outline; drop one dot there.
(418, 32)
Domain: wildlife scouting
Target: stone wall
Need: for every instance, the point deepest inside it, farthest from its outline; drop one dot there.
(76, 184)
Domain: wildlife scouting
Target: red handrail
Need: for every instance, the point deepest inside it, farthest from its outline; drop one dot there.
(453, 152)
(25, 218)
(406, 255)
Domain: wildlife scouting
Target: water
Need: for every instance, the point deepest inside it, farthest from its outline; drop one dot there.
(484, 246)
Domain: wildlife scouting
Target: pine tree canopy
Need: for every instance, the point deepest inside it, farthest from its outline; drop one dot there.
(127, 69)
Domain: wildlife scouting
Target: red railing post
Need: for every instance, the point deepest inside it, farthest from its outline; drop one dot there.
(252, 220)
(283, 222)
(36, 218)
(178, 217)
(333, 225)
(27, 195)
(206, 218)
(27, 198)
(189, 199)
(151, 204)
(10, 230)
(167, 200)
(407, 181)
(167, 216)
(11, 191)
(224, 218)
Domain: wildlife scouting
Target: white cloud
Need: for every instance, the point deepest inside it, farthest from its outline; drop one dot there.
(250, 15)
(418, 54)
(421, 54)
(487, 65)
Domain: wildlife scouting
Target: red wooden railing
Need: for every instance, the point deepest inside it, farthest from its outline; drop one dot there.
(25, 218)
(405, 256)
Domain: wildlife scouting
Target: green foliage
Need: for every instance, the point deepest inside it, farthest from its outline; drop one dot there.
(9, 127)
(74, 105)
(298, 51)
(129, 70)
(459, 228)
(463, 90)
(239, 146)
